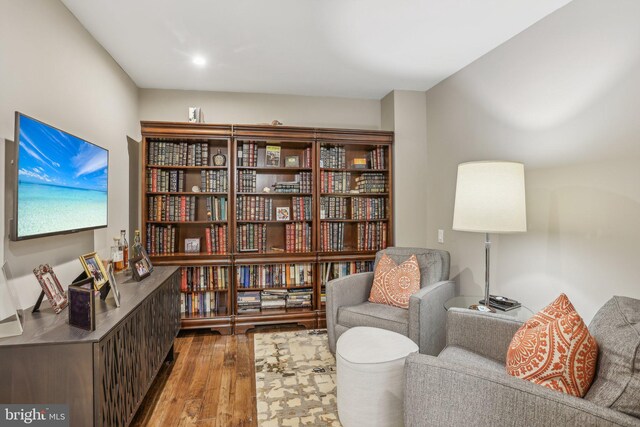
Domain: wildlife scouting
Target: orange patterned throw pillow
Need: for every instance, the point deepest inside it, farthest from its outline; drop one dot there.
(394, 284)
(555, 349)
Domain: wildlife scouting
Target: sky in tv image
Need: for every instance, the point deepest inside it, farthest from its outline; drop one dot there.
(62, 181)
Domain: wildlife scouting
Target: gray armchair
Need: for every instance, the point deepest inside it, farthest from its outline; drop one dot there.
(423, 322)
(467, 383)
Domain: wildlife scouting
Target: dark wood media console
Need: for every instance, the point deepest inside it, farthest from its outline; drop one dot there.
(102, 375)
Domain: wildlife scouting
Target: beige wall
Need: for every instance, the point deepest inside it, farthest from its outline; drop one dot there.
(53, 70)
(251, 108)
(403, 112)
(562, 97)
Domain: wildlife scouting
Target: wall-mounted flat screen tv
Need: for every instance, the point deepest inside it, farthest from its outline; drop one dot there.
(61, 183)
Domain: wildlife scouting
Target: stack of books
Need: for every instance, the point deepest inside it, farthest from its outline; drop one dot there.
(371, 183)
(299, 298)
(274, 299)
(287, 187)
(248, 301)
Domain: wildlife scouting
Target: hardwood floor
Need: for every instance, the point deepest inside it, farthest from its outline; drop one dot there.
(210, 383)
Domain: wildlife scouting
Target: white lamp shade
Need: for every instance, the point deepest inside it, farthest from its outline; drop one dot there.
(490, 198)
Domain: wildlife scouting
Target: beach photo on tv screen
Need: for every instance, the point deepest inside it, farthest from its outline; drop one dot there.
(62, 181)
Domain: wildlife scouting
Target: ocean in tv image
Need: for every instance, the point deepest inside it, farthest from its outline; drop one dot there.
(62, 181)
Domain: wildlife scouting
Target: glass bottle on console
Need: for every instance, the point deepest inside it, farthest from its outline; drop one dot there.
(117, 257)
(125, 249)
(136, 248)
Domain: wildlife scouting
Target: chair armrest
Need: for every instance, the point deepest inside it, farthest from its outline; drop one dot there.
(438, 393)
(427, 316)
(349, 290)
(488, 334)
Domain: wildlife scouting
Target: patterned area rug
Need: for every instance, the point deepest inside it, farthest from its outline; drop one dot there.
(295, 379)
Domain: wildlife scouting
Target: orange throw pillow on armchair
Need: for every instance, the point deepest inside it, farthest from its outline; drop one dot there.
(555, 349)
(394, 284)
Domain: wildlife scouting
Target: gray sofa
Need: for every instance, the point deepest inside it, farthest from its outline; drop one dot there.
(423, 322)
(467, 383)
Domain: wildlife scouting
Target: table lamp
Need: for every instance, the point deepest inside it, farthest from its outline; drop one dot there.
(490, 198)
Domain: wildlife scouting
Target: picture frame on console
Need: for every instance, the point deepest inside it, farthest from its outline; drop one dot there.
(138, 249)
(140, 268)
(82, 304)
(113, 283)
(51, 287)
(94, 267)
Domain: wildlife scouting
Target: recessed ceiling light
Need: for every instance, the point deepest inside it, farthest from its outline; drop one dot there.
(199, 60)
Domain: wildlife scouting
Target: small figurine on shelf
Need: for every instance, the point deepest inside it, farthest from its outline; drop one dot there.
(219, 159)
(195, 115)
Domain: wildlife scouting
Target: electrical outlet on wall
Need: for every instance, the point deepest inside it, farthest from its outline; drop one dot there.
(440, 236)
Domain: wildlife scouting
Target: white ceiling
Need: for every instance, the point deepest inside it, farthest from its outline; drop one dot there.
(348, 48)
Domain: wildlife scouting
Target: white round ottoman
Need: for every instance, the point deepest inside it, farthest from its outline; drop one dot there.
(370, 376)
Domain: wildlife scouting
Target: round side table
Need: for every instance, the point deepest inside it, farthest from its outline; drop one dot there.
(521, 313)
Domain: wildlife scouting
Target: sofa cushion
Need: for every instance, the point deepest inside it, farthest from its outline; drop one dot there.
(554, 349)
(394, 284)
(616, 327)
(375, 315)
(465, 357)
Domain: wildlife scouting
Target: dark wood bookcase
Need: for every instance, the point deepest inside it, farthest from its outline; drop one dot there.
(337, 201)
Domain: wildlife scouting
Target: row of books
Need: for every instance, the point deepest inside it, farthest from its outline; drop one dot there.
(178, 154)
(254, 301)
(376, 158)
(254, 208)
(204, 278)
(201, 303)
(301, 208)
(333, 156)
(171, 208)
(374, 182)
(298, 237)
(215, 238)
(368, 208)
(333, 207)
(274, 275)
(331, 236)
(216, 208)
(248, 154)
(165, 180)
(307, 158)
(372, 236)
(161, 240)
(251, 237)
(214, 181)
(305, 180)
(335, 270)
(247, 181)
(335, 182)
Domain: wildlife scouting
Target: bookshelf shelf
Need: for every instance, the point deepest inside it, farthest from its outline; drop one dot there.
(355, 220)
(353, 170)
(178, 156)
(279, 288)
(186, 167)
(273, 194)
(273, 169)
(184, 193)
(186, 222)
